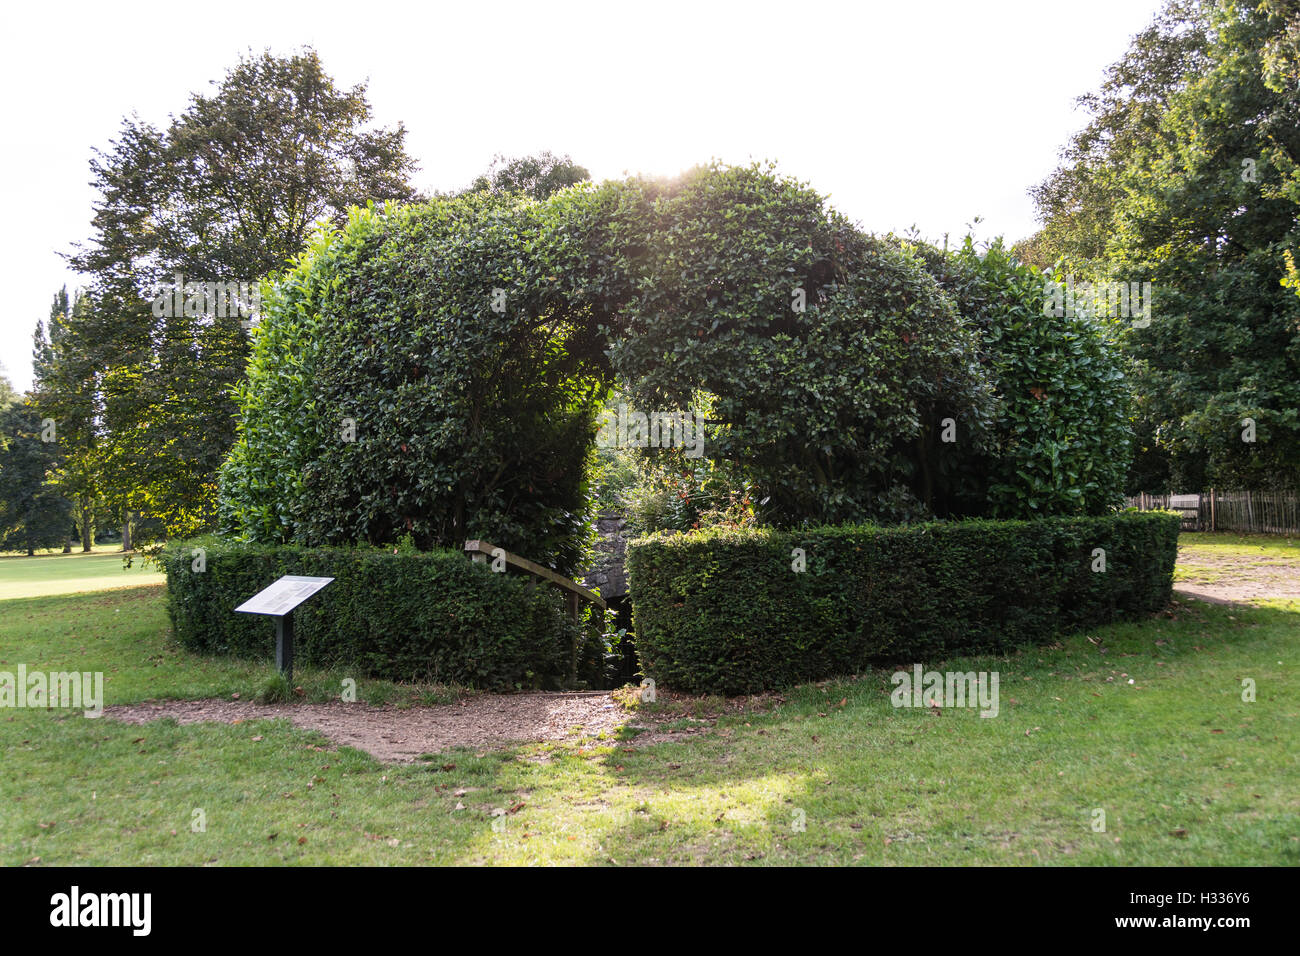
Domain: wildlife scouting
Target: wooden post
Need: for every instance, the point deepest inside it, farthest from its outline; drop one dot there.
(1211, 509)
(577, 641)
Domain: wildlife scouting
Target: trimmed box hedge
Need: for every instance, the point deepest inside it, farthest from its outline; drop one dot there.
(413, 616)
(723, 611)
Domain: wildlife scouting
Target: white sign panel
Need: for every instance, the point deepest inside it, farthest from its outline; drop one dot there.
(284, 595)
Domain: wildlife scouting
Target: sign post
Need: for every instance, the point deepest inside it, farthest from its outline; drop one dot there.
(278, 601)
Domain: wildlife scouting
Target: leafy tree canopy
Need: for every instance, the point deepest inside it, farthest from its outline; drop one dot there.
(1187, 178)
(539, 176)
(228, 192)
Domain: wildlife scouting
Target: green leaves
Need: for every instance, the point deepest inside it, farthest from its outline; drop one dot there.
(435, 370)
(823, 351)
(724, 611)
(423, 372)
(1058, 438)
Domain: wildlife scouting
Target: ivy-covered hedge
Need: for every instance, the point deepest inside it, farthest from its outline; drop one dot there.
(724, 611)
(411, 615)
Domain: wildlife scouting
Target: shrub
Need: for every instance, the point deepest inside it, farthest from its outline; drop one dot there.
(430, 616)
(422, 371)
(723, 611)
(1059, 439)
(823, 355)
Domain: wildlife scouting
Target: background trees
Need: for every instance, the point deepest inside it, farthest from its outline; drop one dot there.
(227, 192)
(1186, 176)
(66, 391)
(538, 176)
(33, 511)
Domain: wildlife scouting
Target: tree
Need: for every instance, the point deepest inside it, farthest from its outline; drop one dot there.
(33, 512)
(1078, 203)
(538, 177)
(227, 193)
(1190, 164)
(7, 394)
(66, 392)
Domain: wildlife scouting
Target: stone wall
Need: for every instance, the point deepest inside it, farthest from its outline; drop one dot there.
(607, 576)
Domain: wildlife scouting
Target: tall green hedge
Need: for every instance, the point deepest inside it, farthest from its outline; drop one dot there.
(723, 611)
(401, 616)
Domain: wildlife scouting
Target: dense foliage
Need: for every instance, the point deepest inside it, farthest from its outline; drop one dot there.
(538, 176)
(726, 611)
(437, 370)
(1187, 177)
(33, 511)
(228, 191)
(1059, 438)
(823, 358)
(422, 372)
(64, 392)
(396, 614)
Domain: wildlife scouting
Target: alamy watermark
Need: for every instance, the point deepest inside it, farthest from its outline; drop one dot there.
(1117, 300)
(949, 689)
(232, 299)
(633, 429)
(129, 910)
(74, 690)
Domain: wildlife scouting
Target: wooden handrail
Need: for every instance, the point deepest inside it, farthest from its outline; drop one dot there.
(480, 551)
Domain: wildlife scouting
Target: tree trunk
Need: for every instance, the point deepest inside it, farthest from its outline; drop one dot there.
(87, 533)
(126, 533)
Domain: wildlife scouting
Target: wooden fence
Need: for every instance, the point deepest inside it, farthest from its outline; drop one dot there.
(1267, 512)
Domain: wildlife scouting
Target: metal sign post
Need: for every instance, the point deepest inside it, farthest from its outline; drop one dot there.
(278, 601)
(284, 644)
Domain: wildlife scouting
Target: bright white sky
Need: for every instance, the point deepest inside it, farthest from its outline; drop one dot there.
(906, 112)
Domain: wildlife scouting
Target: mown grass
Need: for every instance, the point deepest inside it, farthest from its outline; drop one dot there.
(1185, 770)
(42, 574)
(1226, 544)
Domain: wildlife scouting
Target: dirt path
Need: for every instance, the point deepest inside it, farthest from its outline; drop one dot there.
(403, 734)
(1234, 578)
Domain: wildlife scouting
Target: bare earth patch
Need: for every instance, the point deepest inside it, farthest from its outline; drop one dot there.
(1236, 578)
(402, 734)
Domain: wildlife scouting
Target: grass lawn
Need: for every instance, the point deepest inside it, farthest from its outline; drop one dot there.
(1186, 772)
(1240, 545)
(53, 573)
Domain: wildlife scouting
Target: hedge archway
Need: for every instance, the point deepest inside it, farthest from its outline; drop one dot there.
(436, 370)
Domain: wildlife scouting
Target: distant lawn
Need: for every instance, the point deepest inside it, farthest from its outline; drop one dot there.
(1144, 721)
(53, 573)
(1244, 545)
